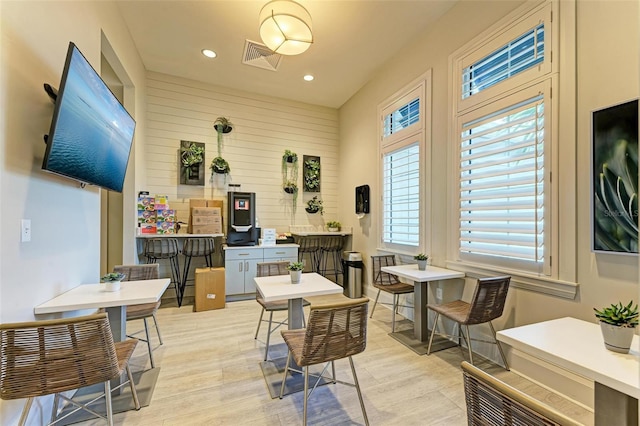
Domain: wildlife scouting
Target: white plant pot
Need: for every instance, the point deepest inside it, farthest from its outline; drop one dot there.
(112, 286)
(617, 339)
(295, 276)
(333, 229)
(422, 265)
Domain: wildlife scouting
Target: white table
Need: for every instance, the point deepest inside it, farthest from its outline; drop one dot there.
(577, 346)
(92, 296)
(279, 287)
(419, 339)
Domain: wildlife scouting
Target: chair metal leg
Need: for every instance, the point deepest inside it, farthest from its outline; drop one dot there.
(333, 371)
(433, 331)
(107, 401)
(25, 411)
(183, 283)
(54, 408)
(155, 322)
(284, 377)
(374, 304)
(259, 322)
(504, 358)
(146, 332)
(132, 385)
(393, 313)
(306, 395)
(355, 381)
(466, 328)
(266, 350)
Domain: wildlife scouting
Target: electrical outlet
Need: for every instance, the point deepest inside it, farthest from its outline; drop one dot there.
(25, 231)
(439, 293)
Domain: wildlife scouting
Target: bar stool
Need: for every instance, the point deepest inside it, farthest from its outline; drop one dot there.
(165, 248)
(195, 247)
(309, 245)
(331, 247)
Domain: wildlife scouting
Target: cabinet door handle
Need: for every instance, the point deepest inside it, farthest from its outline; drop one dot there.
(240, 267)
(280, 252)
(246, 266)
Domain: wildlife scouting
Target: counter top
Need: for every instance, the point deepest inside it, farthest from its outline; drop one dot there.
(178, 235)
(226, 247)
(324, 233)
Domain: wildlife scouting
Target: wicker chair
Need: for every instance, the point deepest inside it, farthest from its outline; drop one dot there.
(486, 305)
(331, 247)
(309, 245)
(195, 247)
(49, 357)
(143, 311)
(267, 269)
(335, 331)
(156, 249)
(388, 283)
(490, 402)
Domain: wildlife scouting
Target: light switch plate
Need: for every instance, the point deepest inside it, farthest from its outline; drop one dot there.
(25, 231)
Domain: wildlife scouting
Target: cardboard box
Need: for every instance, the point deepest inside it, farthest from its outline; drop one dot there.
(206, 211)
(146, 203)
(165, 227)
(210, 292)
(161, 202)
(207, 229)
(147, 228)
(197, 202)
(206, 220)
(166, 215)
(146, 216)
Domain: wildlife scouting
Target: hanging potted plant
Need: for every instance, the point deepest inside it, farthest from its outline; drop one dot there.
(290, 187)
(618, 323)
(220, 166)
(289, 156)
(314, 206)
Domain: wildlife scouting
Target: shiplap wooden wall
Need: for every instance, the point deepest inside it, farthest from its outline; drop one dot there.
(181, 109)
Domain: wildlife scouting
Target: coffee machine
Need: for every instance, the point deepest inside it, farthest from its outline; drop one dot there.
(241, 219)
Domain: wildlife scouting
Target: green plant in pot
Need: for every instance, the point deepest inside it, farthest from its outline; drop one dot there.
(295, 271)
(219, 165)
(112, 280)
(314, 206)
(312, 175)
(618, 323)
(191, 156)
(333, 225)
(421, 258)
(289, 156)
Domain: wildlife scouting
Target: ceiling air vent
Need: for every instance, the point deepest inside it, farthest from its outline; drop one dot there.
(259, 55)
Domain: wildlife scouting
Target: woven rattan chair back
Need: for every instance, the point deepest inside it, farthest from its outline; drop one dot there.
(488, 300)
(378, 276)
(267, 269)
(47, 357)
(335, 332)
(490, 402)
(149, 271)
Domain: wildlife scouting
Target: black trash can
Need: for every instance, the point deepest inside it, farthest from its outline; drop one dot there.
(352, 274)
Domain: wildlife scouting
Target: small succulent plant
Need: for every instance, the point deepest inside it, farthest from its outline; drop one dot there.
(619, 315)
(111, 277)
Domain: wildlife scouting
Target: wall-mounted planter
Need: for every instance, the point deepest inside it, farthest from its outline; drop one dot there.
(311, 173)
(191, 163)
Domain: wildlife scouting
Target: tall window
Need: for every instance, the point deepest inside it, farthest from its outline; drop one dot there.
(503, 117)
(401, 151)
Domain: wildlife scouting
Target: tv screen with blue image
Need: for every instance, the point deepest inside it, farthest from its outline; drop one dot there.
(91, 132)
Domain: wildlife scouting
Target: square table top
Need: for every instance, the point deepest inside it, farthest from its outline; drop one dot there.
(431, 273)
(578, 346)
(279, 287)
(93, 296)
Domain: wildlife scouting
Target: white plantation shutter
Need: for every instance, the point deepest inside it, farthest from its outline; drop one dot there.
(518, 55)
(402, 118)
(502, 182)
(401, 196)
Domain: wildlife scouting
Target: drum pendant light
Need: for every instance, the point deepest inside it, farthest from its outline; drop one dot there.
(285, 27)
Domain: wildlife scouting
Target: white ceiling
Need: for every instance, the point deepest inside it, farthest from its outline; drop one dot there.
(351, 40)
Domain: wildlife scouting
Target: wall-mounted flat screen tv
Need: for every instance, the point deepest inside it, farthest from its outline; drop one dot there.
(91, 132)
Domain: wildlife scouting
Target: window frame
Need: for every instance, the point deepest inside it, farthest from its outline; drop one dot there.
(416, 133)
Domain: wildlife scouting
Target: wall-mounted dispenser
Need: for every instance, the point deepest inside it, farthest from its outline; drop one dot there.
(241, 228)
(362, 199)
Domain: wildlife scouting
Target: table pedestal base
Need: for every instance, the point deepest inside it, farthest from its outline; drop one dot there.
(614, 408)
(145, 382)
(407, 338)
(273, 371)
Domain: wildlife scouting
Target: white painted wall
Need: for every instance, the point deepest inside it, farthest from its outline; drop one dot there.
(181, 109)
(64, 250)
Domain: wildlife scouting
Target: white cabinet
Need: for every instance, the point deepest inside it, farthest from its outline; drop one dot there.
(241, 265)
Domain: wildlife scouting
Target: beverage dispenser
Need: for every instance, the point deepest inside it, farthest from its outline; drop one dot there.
(241, 219)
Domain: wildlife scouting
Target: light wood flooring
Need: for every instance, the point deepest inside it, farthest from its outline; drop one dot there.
(210, 375)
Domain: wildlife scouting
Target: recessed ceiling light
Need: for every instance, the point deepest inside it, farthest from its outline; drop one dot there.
(308, 77)
(209, 53)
